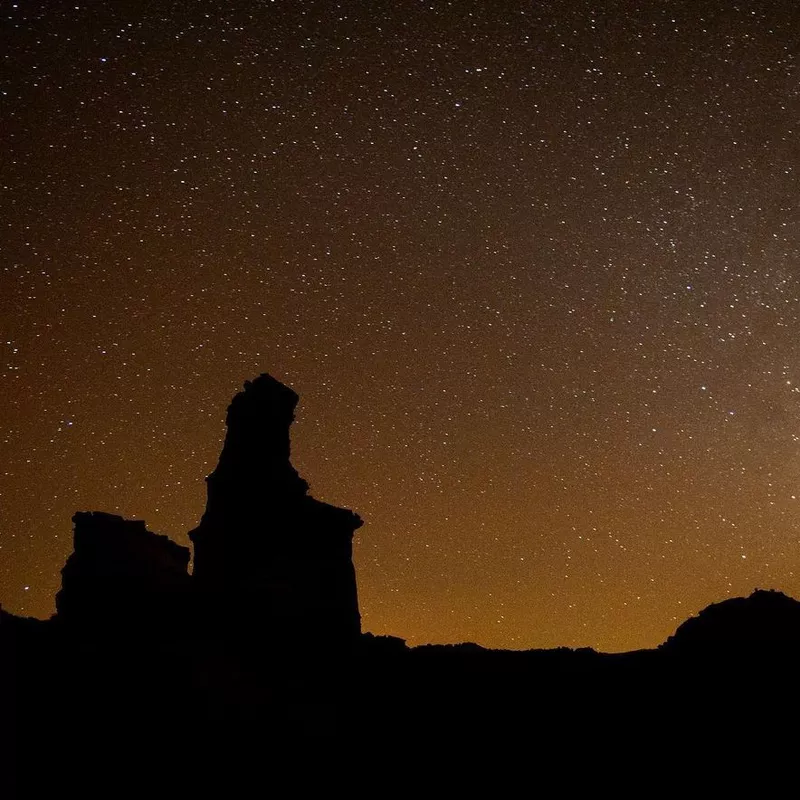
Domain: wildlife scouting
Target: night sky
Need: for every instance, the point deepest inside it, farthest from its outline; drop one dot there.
(532, 268)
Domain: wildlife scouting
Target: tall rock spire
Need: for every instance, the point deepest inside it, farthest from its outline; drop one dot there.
(265, 550)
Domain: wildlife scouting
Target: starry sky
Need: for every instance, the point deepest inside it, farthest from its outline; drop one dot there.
(532, 268)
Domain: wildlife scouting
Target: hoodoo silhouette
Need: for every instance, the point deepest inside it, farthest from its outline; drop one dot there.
(266, 552)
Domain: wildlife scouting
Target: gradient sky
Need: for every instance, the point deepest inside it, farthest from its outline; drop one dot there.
(532, 268)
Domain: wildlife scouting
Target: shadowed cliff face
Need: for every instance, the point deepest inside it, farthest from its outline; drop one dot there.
(265, 551)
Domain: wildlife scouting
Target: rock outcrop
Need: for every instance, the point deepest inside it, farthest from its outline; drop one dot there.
(267, 553)
(121, 576)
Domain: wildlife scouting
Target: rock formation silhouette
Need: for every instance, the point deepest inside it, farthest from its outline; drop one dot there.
(268, 556)
(121, 576)
(266, 552)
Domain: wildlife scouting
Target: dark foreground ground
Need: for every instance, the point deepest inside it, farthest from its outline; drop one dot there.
(213, 717)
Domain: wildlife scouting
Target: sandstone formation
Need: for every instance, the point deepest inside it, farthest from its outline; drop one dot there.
(266, 553)
(120, 575)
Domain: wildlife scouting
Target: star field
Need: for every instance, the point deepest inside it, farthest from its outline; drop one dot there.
(532, 268)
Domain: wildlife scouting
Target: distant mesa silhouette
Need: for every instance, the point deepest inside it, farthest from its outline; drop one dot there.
(765, 623)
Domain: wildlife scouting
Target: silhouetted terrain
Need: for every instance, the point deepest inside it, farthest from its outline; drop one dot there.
(252, 675)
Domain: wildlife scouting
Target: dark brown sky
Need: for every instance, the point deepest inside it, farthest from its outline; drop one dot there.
(532, 267)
